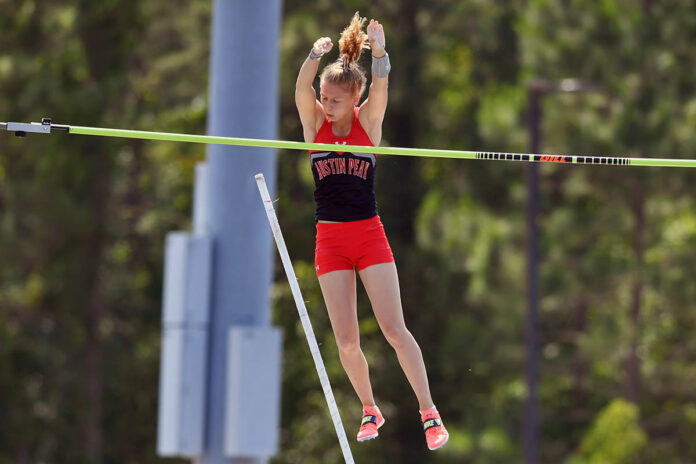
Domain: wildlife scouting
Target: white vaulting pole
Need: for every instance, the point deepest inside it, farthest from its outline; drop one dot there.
(304, 317)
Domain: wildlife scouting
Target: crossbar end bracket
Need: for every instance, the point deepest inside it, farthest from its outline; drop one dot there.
(21, 129)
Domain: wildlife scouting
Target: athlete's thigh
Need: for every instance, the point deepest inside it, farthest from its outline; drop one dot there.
(338, 288)
(381, 282)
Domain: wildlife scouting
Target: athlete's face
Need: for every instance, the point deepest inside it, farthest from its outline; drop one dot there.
(338, 102)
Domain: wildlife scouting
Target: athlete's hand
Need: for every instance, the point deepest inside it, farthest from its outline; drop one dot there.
(322, 46)
(375, 34)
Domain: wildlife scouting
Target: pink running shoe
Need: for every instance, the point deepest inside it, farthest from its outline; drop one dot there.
(372, 420)
(435, 433)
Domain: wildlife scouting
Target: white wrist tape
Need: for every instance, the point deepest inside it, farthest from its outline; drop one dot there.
(314, 56)
(381, 65)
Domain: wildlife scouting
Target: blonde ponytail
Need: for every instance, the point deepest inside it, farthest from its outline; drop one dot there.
(346, 71)
(353, 40)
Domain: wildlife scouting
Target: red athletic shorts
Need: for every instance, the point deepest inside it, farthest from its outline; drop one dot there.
(345, 245)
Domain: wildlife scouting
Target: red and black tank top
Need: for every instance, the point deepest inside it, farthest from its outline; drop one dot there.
(344, 181)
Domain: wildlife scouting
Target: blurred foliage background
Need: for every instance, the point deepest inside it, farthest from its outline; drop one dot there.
(82, 224)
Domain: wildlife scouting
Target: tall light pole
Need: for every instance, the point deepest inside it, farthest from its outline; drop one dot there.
(220, 355)
(536, 89)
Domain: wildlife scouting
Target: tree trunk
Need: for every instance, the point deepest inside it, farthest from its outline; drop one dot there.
(402, 183)
(95, 310)
(104, 28)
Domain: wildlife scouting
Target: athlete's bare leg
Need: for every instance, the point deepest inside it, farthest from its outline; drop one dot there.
(339, 289)
(382, 284)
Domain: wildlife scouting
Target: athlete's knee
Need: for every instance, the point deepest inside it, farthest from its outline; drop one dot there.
(348, 342)
(397, 335)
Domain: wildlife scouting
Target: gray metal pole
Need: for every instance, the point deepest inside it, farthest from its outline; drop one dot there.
(243, 102)
(531, 406)
(536, 89)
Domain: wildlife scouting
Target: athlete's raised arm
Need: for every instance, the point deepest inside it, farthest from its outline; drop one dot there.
(372, 111)
(311, 112)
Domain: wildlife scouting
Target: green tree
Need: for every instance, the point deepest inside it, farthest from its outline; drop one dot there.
(83, 221)
(614, 438)
(605, 293)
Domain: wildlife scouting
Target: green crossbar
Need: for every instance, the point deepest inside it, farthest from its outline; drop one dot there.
(23, 128)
